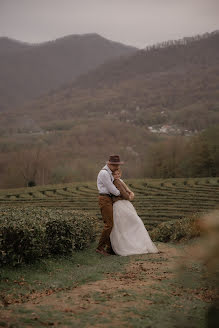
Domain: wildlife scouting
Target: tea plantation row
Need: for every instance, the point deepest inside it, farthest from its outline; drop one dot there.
(156, 200)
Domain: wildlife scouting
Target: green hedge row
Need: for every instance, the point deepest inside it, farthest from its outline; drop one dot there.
(176, 230)
(29, 233)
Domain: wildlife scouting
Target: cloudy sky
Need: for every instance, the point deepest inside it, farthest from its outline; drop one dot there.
(133, 22)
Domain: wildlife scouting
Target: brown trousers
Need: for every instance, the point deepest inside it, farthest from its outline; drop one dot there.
(106, 208)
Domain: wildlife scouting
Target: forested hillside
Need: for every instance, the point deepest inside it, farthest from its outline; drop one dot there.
(68, 134)
(176, 82)
(30, 70)
(10, 46)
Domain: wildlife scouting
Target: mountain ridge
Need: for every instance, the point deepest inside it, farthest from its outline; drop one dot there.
(156, 51)
(176, 84)
(30, 70)
(9, 40)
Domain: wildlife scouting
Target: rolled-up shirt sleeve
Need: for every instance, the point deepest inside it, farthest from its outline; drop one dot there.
(104, 178)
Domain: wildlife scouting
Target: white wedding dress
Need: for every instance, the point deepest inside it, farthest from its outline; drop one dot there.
(129, 235)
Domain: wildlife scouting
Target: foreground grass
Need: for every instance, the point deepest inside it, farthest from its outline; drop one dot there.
(55, 274)
(137, 291)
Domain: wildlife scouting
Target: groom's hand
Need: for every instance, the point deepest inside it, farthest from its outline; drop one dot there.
(115, 198)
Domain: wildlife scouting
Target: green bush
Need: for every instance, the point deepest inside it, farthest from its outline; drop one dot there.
(29, 233)
(176, 230)
(76, 231)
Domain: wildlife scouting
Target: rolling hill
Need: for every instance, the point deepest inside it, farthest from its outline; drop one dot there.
(176, 82)
(30, 70)
(109, 110)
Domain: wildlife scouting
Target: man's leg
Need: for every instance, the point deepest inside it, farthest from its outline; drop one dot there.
(106, 207)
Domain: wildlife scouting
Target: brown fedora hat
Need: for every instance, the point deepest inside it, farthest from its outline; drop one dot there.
(114, 159)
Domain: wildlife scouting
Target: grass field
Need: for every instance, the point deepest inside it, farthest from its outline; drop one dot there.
(163, 290)
(139, 291)
(156, 200)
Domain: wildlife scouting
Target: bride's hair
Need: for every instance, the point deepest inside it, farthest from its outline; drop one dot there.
(119, 169)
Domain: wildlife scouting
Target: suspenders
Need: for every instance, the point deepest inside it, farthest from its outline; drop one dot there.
(110, 178)
(109, 174)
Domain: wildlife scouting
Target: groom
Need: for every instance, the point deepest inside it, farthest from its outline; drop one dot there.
(106, 190)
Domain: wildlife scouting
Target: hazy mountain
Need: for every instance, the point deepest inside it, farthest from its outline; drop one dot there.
(195, 53)
(9, 46)
(30, 70)
(110, 109)
(176, 82)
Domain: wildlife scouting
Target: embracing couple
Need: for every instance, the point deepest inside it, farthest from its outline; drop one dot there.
(124, 232)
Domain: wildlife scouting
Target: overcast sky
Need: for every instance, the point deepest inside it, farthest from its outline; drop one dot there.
(133, 22)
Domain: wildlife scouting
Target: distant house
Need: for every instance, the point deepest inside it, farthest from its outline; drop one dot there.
(153, 130)
(165, 128)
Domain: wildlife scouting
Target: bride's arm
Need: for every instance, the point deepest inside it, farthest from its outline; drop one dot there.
(125, 186)
(119, 185)
(131, 194)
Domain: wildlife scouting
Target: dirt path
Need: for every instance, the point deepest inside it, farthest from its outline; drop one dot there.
(104, 303)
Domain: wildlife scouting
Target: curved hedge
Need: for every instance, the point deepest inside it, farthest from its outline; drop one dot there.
(177, 230)
(29, 233)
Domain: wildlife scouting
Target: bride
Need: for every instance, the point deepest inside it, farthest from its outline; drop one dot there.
(129, 235)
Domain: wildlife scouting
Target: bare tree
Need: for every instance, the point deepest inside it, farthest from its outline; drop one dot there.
(33, 165)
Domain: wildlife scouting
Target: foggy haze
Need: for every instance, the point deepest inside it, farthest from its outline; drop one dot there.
(133, 22)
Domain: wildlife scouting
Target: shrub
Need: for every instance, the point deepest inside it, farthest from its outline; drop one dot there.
(29, 233)
(76, 231)
(175, 230)
(21, 238)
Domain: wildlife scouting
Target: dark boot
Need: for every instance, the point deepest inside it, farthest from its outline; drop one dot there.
(102, 252)
(110, 251)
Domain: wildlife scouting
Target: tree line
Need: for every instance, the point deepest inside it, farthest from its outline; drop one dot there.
(78, 155)
(177, 157)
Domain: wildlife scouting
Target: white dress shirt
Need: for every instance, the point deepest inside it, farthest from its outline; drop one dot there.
(105, 182)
